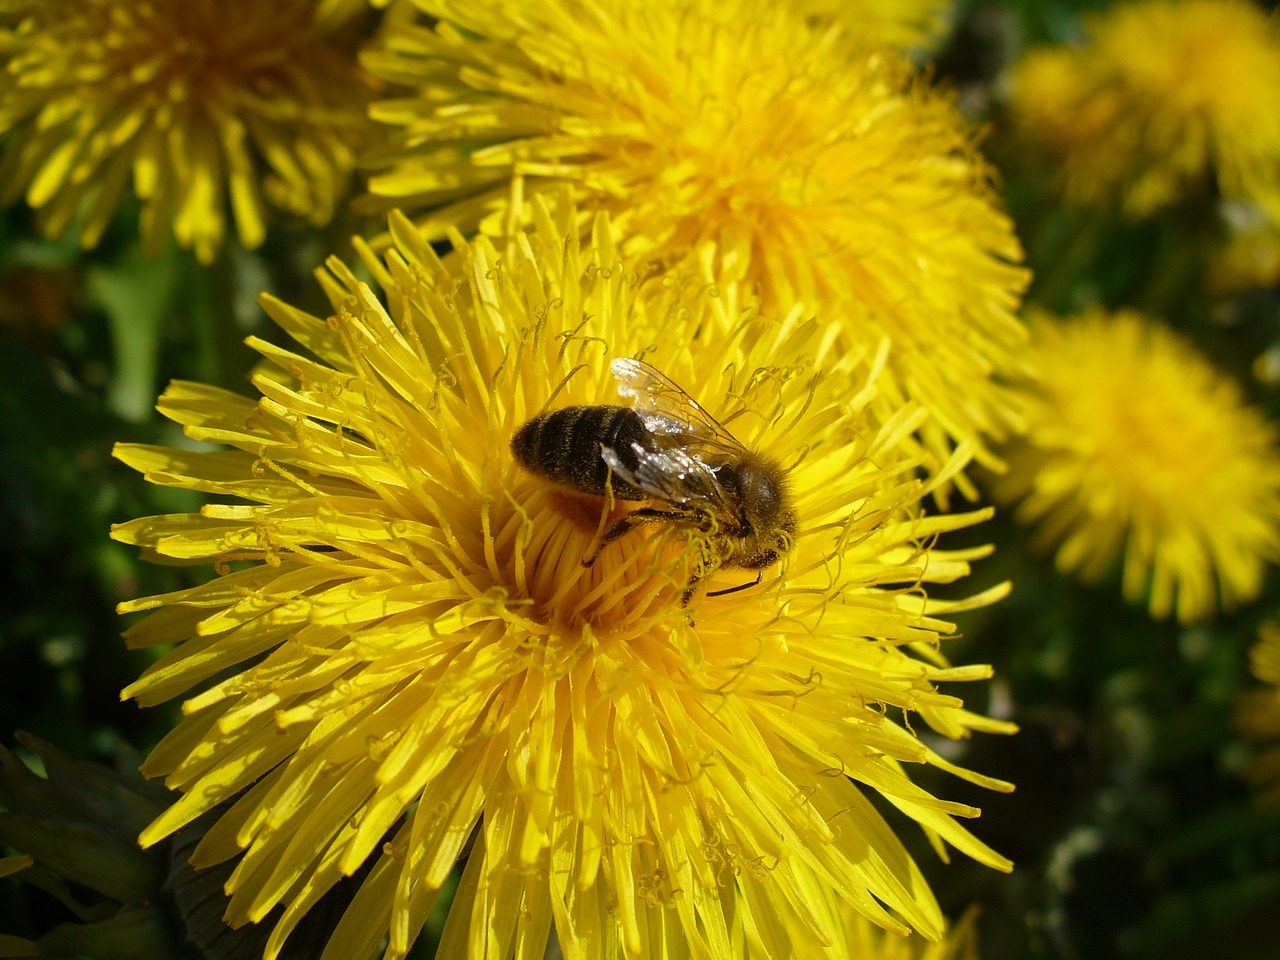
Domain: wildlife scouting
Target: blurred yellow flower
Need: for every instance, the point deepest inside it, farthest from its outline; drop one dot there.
(1166, 98)
(411, 651)
(750, 144)
(1258, 714)
(903, 24)
(1136, 443)
(211, 108)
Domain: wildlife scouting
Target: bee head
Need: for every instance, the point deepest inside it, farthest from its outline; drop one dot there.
(765, 505)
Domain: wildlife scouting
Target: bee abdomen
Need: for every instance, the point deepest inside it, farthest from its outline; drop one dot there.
(564, 446)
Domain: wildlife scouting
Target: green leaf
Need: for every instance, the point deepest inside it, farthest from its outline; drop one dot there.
(139, 934)
(86, 854)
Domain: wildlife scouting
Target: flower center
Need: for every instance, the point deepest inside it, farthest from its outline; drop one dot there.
(178, 51)
(551, 553)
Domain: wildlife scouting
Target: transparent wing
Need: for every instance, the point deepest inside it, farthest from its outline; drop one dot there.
(686, 442)
(666, 408)
(670, 474)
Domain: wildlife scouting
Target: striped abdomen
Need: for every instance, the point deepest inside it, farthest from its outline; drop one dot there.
(564, 446)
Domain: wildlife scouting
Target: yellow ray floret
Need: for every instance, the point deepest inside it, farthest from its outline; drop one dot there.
(405, 658)
(904, 24)
(751, 143)
(1137, 445)
(210, 109)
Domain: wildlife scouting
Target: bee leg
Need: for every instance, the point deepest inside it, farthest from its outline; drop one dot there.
(701, 569)
(689, 589)
(624, 524)
(741, 586)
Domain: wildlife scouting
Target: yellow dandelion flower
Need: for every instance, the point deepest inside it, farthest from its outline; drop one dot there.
(410, 651)
(1165, 99)
(211, 108)
(1258, 714)
(1135, 442)
(903, 24)
(1049, 101)
(871, 942)
(743, 139)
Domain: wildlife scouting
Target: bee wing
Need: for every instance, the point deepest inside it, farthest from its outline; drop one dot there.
(667, 409)
(685, 441)
(669, 473)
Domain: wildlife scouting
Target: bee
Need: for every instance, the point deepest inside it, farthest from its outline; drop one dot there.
(666, 449)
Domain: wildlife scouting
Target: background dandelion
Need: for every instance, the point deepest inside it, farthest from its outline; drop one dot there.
(1165, 98)
(206, 111)
(786, 154)
(1136, 447)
